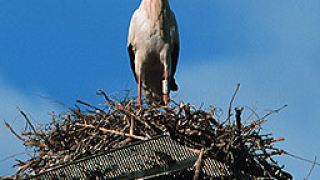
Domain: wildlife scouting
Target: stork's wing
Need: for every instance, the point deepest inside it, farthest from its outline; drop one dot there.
(175, 57)
(132, 59)
(175, 48)
(131, 51)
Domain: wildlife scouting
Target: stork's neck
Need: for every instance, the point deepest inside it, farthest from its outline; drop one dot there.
(155, 8)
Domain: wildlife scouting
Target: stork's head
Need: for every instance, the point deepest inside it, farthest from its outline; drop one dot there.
(156, 3)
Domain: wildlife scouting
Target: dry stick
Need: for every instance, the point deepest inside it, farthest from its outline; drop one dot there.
(238, 119)
(229, 115)
(53, 118)
(102, 93)
(300, 158)
(277, 140)
(131, 125)
(14, 133)
(253, 112)
(230, 105)
(273, 111)
(89, 105)
(24, 140)
(14, 155)
(42, 133)
(198, 165)
(27, 119)
(112, 131)
(314, 163)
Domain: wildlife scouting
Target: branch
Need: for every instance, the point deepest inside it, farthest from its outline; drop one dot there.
(29, 142)
(27, 119)
(112, 131)
(230, 105)
(273, 111)
(300, 158)
(314, 163)
(198, 165)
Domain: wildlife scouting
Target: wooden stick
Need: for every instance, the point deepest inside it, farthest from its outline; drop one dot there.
(131, 125)
(198, 165)
(230, 105)
(27, 119)
(14, 133)
(112, 131)
(24, 140)
(312, 167)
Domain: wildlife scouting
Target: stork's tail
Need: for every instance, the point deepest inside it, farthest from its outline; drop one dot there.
(151, 97)
(155, 96)
(173, 85)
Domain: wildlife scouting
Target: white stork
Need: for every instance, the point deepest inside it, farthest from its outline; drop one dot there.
(153, 45)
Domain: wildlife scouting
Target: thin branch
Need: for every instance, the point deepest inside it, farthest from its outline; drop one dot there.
(253, 112)
(238, 120)
(91, 106)
(12, 156)
(302, 159)
(314, 163)
(14, 133)
(27, 119)
(230, 105)
(198, 165)
(53, 100)
(273, 112)
(112, 131)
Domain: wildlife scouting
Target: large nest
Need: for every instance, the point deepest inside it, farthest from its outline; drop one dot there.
(116, 123)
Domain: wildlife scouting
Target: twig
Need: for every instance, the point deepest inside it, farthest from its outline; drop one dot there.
(131, 125)
(42, 133)
(29, 142)
(238, 120)
(12, 156)
(14, 133)
(112, 131)
(198, 165)
(62, 104)
(300, 158)
(230, 105)
(314, 163)
(274, 111)
(93, 107)
(27, 119)
(252, 112)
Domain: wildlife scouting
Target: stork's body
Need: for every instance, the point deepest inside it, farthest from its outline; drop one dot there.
(153, 45)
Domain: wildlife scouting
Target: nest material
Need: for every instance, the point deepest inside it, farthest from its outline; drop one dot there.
(79, 134)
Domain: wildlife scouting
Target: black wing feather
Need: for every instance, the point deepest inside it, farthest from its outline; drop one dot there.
(175, 57)
(174, 62)
(132, 60)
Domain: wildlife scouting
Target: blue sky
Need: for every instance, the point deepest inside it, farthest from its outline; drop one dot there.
(67, 50)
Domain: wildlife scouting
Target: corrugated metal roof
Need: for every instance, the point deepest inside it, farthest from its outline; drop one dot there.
(146, 159)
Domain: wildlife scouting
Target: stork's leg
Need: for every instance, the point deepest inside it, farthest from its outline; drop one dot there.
(165, 59)
(139, 91)
(165, 87)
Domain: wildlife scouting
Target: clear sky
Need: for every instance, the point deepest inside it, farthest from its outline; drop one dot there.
(67, 50)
